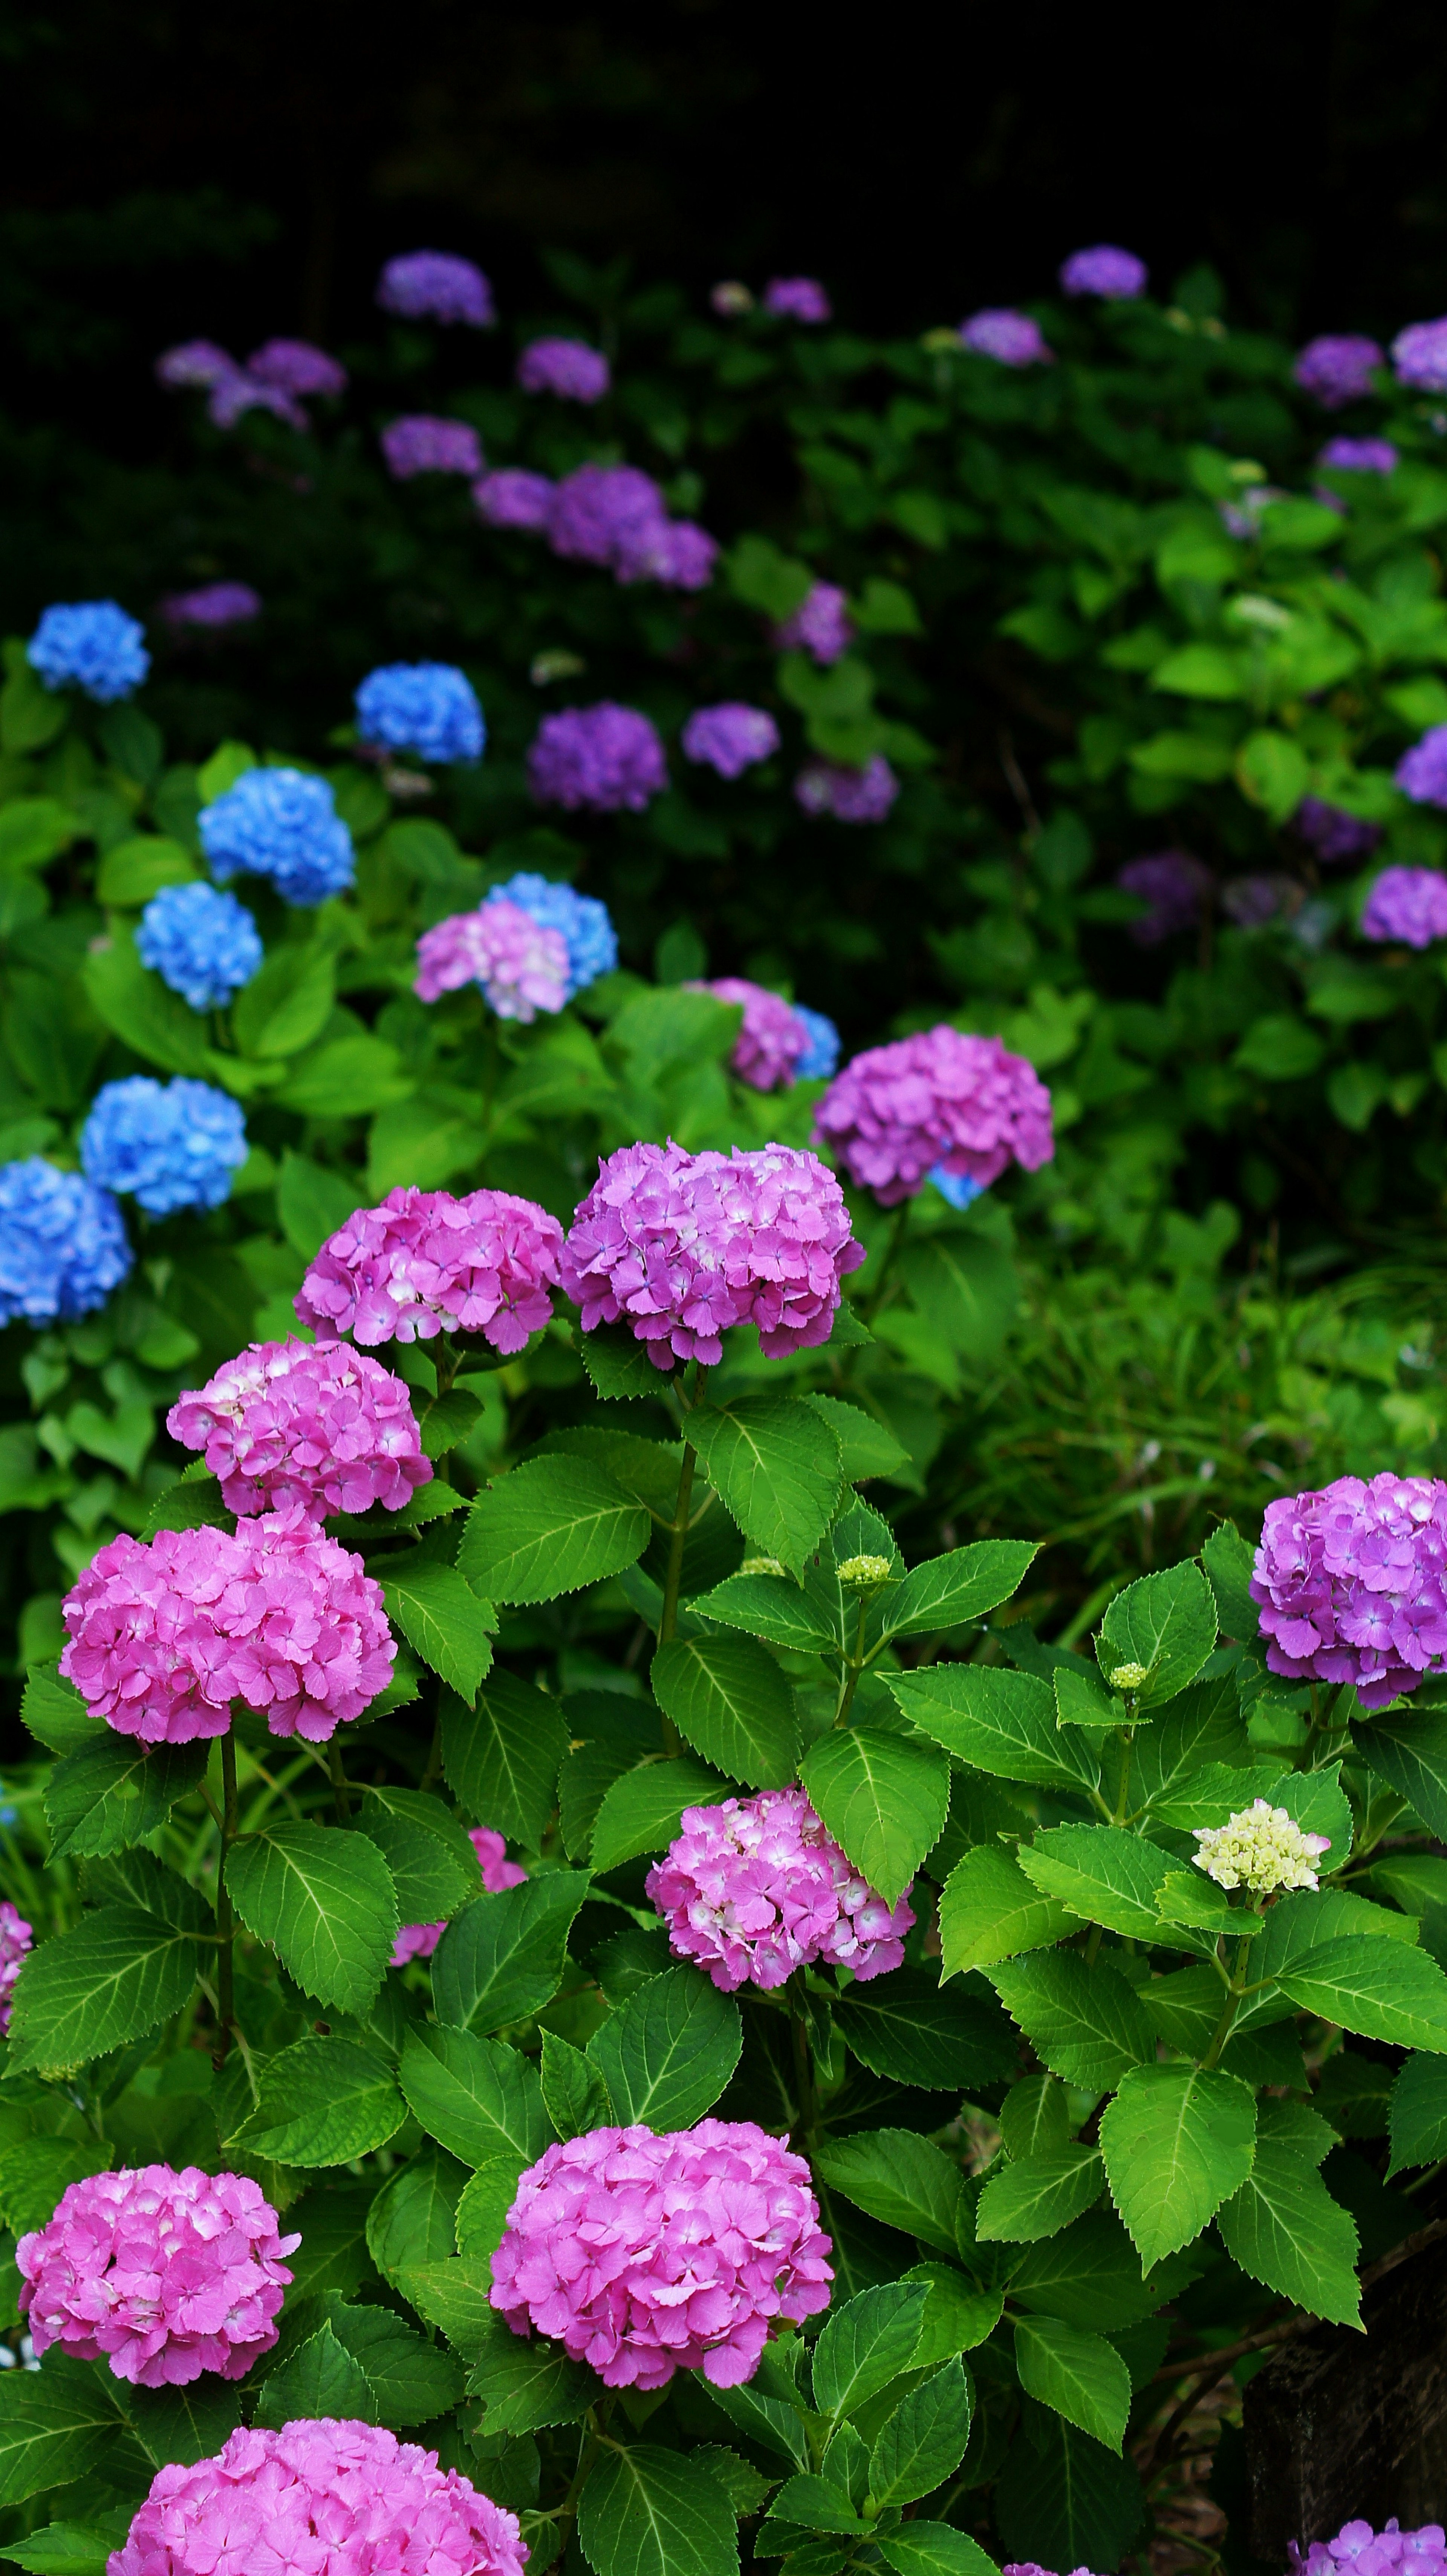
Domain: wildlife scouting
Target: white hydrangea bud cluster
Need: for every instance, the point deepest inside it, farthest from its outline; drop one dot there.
(864, 1573)
(1260, 1848)
(761, 1565)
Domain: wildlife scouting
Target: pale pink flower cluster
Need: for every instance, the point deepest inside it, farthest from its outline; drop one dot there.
(645, 2254)
(162, 2274)
(772, 1037)
(521, 965)
(419, 1940)
(937, 1099)
(754, 1888)
(682, 1245)
(1372, 2553)
(425, 1262)
(165, 1635)
(1351, 1584)
(314, 1424)
(319, 2498)
(15, 1939)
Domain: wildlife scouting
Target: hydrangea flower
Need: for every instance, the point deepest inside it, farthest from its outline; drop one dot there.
(711, 2234)
(581, 920)
(819, 625)
(957, 1187)
(436, 286)
(263, 2504)
(63, 1244)
(314, 1424)
(1419, 356)
(681, 556)
(1337, 368)
(1012, 339)
(606, 758)
(1408, 904)
(519, 964)
(296, 367)
(424, 1262)
(850, 795)
(171, 1144)
(236, 393)
(90, 645)
(730, 297)
(1174, 884)
(419, 1940)
(772, 1037)
(427, 707)
(567, 368)
(15, 1939)
(1260, 1847)
(1104, 270)
(421, 444)
(681, 1245)
(606, 514)
(282, 824)
(194, 363)
(1332, 833)
(1351, 1584)
(1373, 2553)
(513, 498)
(1359, 455)
(162, 2274)
(820, 1059)
(1421, 773)
(162, 1637)
(203, 943)
(798, 299)
(216, 605)
(730, 738)
(754, 1888)
(940, 1099)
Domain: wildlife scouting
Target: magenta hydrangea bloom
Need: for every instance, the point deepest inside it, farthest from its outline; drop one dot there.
(730, 738)
(1333, 833)
(754, 1888)
(519, 964)
(513, 498)
(436, 286)
(850, 795)
(680, 1246)
(319, 2498)
(1409, 904)
(424, 1263)
(1012, 339)
(296, 367)
(645, 2254)
(419, 1940)
(772, 1037)
(1351, 1584)
(1419, 356)
(606, 758)
(420, 444)
(798, 299)
(1373, 2553)
(1421, 773)
(1359, 456)
(820, 625)
(568, 368)
(164, 1636)
(162, 2274)
(1337, 368)
(1174, 884)
(314, 1424)
(15, 1940)
(941, 1098)
(1104, 270)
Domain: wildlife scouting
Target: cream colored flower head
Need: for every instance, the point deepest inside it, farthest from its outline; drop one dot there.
(1260, 1848)
(865, 1573)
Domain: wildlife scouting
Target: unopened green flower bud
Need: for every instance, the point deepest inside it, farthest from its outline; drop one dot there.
(1129, 1677)
(865, 1573)
(761, 1565)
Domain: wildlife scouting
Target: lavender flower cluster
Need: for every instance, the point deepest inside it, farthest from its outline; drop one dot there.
(1374, 2553)
(274, 378)
(939, 1101)
(1351, 1584)
(614, 516)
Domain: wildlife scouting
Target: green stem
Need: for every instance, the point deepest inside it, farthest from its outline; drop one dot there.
(678, 1533)
(1092, 1946)
(1128, 1737)
(1231, 2006)
(870, 1305)
(225, 1918)
(853, 1668)
(339, 1784)
(446, 1361)
(434, 1758)
(489, 1071)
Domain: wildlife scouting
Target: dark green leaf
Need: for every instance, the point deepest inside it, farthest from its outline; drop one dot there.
(903, 2180)
(526, 2383)
(1090, 2274)
(924, 2440)
(479, 2098)
(1228, 1562)
(883, 1798)
(1418, 2113)
(907, 2026)
(553, 1525)
(320, 2378)
(990, 1911)
(1064, 2499)
(324, 1901)
(933, 2549)
(1408, 1749)
(35, 2171)
(868, 1449)
(58, 2426)
(501, 1758)
(1037, 2196)
(649, 2512)
(118, 1975)
(54, 1711)
(433, 1865)
(323, 2102)
(619, 1366)
(776, 1464)
(1087, 2024)
(1002, 1723)
(641, 1812)
(666, 2057)
(768, 1606)
(867, 2343)
(444, 1619)
(115, 1791)
(503, 1955)
(1101, 1874)
(728, 1698)
(1166, 1624)
(946, 1591)
(574, 2093)
(1078, 2375)
(1382, 1989)
(412, 2220)
(1284, 2228)
(1178, 2140)
(413, 2380)
(182, 2424)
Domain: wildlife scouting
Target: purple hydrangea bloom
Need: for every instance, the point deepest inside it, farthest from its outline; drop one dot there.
(1174, 885)
(567, 368)
(606, 514)
(513, 498)
(1011, 338)
(772, 1036)
(604, 757)
(194, 363)
(1374, 2553)
(1351, 1584)
(237, 393)
(217, 604)
(1337, 368)
(682, 557)
(1332, 833)
(819, 625)
(730, 737)
(519, 964)
(1421, 773)
(1419, 355)
(436, 286)
(1104, 270)
(420, 444)
(899, 1113)
(1408, 904)
(798, 299)
(850, 795)
(1359, 456)
(295, 367)
(90, 645)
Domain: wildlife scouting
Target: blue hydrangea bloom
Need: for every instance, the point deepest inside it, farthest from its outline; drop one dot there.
(957, 1187)
(63, 1245)
(205, 945)
(592, 941)
(820, 1059)
(175, 1144)
(427, 707)
(279, 823)
(90, 644)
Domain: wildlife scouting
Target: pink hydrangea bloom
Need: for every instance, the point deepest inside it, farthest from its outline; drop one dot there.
(772, 1038)
(419, 1940)
(820, 625)
(941, 1098)
(1012, 339)
(644, 2254)
(421, 444)
(1351, 1584)
(754, 1889)
(425, 1262)
(165, 1635)
(520, 965)
(683, 1245)
(319, 2498)
(1373, 2553)
(1408, 904)
(15, 1939)
(162, 2274)
(514, 498)
(289, 1422)
(296, 367)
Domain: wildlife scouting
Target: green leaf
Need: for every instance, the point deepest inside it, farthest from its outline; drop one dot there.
(923, 2441)
(1417, 2113)
(312, 1202)
(182, 2424)
(1178, 2141)
(933, 2549)
(1409, 1751)
(574, 2092)
(320, 2378)
(118, 1975)
(1284, 2228)
(769, 1606)
(411, 2222)
(154, 1022)
(667, 2055)
(966, 1285)
(345, 1077)
(946, 1591)
(1382, 1989)
(728, 1698)
(883, 1798)
(501, 1758)
(324, 1901)
(482, 2212)
(619, 1366)
(115, 1791)
(811, 2503)
(959, 2317)
(908, 2027)
(868, 1449)
(413, 2381)
(54, 1711)
(867, 2343)
(1078, 2375)
(1280, 1048)
(554, 1525)
(1086, 2024)
(58, 2427)
(641, 1812)
(1229, 1563)
(901, 2179)
(649, 2512)
(502, 1956)
(433, 1865)
(1165, 1623)
(770, 2421)
(999, 1722)
(35, 2171)
(323, 2102)
(1102, 1874)
(990, 1911)
(479, 2098)
(526, 2383)
(1065, 2495)
(333, 2218)
(133, 871)
(1273, 771)
(70, 2548)
(1038, 2196)
(763, 577)
(776, 1464)
(1034, 2117)
(1090, 2274)
(288, 1003)
(441, 1616)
